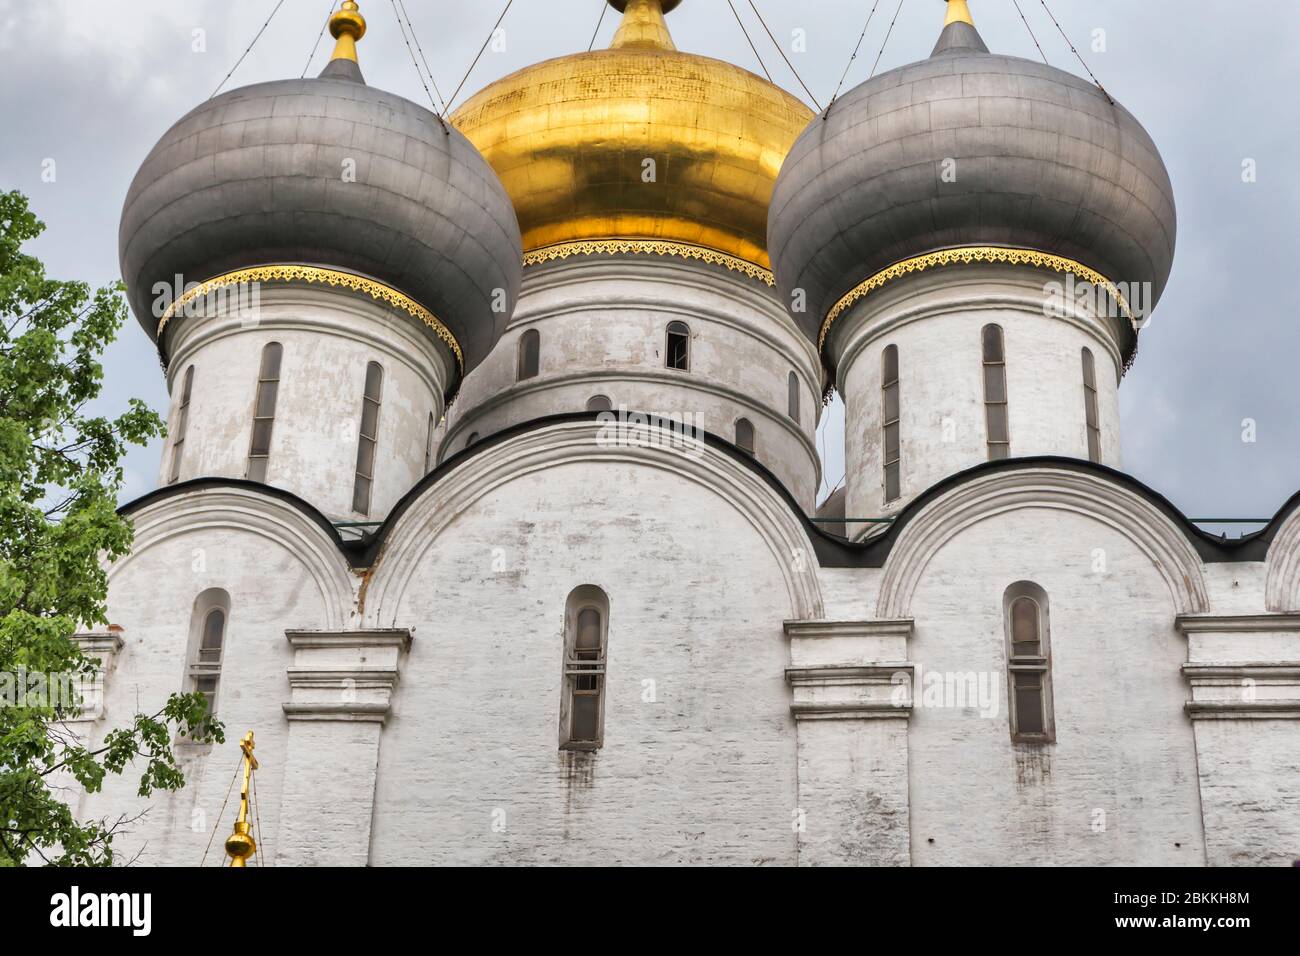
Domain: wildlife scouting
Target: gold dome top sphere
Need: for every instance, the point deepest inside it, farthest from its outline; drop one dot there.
(347, 26)
(639, 141)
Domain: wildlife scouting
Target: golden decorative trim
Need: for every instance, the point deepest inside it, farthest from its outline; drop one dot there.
(291, 273)
(658, 247)
(965, 255)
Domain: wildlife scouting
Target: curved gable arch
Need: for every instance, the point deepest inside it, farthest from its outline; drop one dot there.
(578, 441)
(1282, 567)
(246, 510)
(1084, 493)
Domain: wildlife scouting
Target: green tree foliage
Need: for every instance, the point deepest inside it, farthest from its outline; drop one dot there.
(60, 474)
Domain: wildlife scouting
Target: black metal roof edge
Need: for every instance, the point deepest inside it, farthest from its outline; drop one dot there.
(832, 551)
(1211, 548)
(348, 548)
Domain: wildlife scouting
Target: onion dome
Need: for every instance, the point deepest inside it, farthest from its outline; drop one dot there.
(969, 156)
(335, 174)
(664, 151)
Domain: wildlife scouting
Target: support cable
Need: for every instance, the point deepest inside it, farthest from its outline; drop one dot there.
(780, 49)
(325, 23)
(596, 32)
(888, 34)
(257, 817)
(847, 66)
(486, 41)
(250, 47)
(411, 26)
(222, 814)
(1077, 56)
(1031, 31)
(750, 42)
(402, 27)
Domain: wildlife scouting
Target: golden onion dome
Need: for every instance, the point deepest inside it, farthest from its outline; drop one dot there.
(637, 142)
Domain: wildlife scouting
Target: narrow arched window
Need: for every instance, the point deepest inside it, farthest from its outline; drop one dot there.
(530, 348)
(268, 385)
(207, 645)
(1029, 663)
(792, 396)
(678, 347)
(368, 438)
(428, 444)
(1090, 406)
(182, 424)
(745, 435)
(891, 435)
(586, 635)
(995, 393)
(599, 403)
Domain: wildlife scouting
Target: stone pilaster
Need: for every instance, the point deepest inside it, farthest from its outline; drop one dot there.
(851, 689)
(1243, 674)
(341, 685)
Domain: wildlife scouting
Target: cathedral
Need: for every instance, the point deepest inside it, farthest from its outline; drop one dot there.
(489, 499)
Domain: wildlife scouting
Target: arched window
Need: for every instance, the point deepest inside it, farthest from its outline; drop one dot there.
(891, 437)
(207, 645)
(745, 435)
(1090, 406)
(586, 635)
(599, 403)
(182, 424)
(369, 436)
(678, 347)
(1029, 663)
(792, 396)
(268, 385)
(995, 393)
(530, 347)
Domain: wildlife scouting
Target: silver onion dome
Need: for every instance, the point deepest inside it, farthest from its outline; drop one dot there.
(327, 172)
(1039, 159)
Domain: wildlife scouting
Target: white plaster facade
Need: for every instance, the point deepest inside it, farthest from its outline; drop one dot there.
(329, 336)
(934, 319)
(769, 694)
(602, 324)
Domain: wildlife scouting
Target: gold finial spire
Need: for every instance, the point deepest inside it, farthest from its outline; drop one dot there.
(958, 12)
(347, 26)
(643, 26)
(240, 845)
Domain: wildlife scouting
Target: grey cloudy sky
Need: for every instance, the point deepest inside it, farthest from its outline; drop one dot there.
(92, 84)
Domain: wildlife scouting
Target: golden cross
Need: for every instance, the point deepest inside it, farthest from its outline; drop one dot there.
(240, 844)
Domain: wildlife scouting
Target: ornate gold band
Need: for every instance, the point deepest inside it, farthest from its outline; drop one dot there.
(348, 280)
(965, 255)
(657, 247)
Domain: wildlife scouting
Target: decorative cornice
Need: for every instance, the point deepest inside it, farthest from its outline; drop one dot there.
(1220, 673)
(1243, 710)
(1233, 623)
(817, 629)
(98, 643)
(310, 274)
(344, 675)
(1235, 690)
(851, 691)
(965, 255)
(657, 247)
(398, 637)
